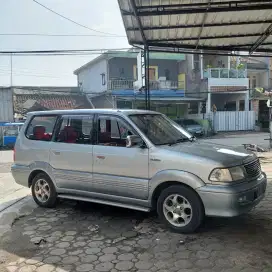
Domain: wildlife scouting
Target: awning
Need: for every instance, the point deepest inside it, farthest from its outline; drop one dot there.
(162, 99)
(207, 25)
(153, 93)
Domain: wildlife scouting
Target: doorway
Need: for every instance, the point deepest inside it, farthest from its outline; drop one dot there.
(152, 74)
(263, 114)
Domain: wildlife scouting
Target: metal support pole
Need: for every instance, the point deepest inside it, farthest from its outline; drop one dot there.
(11, 70)
(147, 77)
(270, 127)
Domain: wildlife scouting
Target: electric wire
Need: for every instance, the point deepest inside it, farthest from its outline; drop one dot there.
(72, 21)
(64, 51)
(60, 35)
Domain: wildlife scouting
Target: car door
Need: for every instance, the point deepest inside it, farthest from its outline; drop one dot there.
(71, 153)
(118, 170)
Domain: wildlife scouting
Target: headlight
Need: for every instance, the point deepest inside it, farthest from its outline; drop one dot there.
(227, 174)
(237, 173)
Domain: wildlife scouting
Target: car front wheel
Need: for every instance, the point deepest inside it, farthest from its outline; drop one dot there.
(180, 208)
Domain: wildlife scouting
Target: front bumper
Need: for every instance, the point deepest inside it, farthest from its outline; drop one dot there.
(228, 201)
(197, 133)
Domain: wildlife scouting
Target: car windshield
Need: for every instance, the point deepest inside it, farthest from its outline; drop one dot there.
(159, 129)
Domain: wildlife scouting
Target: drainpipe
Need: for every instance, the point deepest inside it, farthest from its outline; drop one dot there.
(209, 101)
(201, 66)
(247, 101)
(108, 74)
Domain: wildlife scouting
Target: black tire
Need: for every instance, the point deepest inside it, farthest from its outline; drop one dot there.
(193, 199)
(52, 199)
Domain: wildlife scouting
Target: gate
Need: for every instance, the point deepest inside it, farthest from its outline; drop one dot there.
(233, 120)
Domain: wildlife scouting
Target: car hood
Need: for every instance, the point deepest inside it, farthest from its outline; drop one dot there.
(220, 154)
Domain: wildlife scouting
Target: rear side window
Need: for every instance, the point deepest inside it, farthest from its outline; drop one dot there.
(41, 128)
(76, 130)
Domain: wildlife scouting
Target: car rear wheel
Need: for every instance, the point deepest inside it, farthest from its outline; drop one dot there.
(180, 208)
(43, 191)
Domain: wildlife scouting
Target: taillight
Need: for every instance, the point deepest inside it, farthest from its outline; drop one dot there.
(14, 151)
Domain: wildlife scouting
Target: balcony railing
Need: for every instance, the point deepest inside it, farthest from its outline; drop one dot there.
(224, 73)
(153, 85)
(121, 84)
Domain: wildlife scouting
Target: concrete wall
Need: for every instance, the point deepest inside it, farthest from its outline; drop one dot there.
(194, 83)
(6, 105)
(91, 78)
(228, 82)
(122, 68)
(185, 66)
(214, 61)
(262, 77)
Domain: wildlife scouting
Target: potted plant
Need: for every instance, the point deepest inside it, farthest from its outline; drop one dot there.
(240, 67)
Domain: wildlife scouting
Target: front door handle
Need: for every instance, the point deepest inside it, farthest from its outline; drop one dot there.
(155, 159)
(100, 157)
(56, 153)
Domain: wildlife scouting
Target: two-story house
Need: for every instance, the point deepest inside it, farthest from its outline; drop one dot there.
(227, 84)
(109, 81)
(258, 73)
(179, 86)
(228, 96)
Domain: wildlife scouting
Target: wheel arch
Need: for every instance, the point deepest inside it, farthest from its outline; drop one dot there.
(165, 179)
(34, 173)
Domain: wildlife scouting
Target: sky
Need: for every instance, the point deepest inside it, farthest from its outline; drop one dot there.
(26, 16)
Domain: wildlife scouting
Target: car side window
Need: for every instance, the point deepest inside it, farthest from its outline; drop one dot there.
(41, 128)
(113, 131)
(75, 130)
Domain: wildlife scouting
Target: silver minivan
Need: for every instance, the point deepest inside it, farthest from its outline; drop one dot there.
(134, 159)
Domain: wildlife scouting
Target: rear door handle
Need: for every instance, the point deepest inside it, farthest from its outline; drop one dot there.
(56, 152)
(100, 157)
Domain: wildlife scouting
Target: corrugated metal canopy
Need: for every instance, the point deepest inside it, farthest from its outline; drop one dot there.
(209, 25)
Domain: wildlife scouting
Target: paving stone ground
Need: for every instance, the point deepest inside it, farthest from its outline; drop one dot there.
(78, 236)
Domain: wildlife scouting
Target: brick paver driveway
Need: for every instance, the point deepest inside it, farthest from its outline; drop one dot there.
(89, 237)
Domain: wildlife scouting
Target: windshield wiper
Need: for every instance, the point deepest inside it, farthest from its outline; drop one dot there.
(179, 141)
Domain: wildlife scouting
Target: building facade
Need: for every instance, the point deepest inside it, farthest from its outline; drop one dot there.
(180, 85)
(258, 73)
(227, 84)
(112, 77)
(6, 105)
(270, 72)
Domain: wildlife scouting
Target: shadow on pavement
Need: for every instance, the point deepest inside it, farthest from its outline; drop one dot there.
(80, 236)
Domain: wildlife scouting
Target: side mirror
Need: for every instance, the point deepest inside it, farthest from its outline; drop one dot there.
(133, 140)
